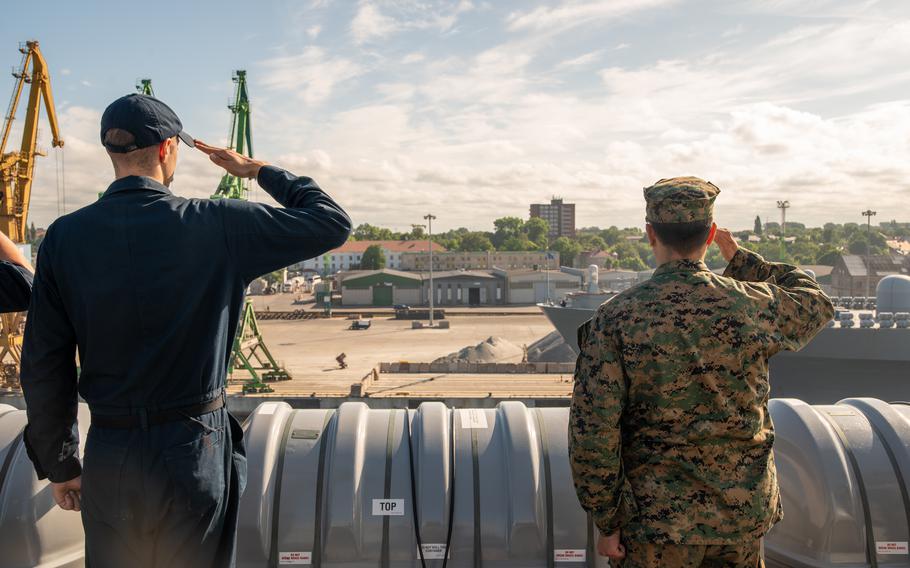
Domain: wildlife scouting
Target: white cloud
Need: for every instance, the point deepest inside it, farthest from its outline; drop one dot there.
(583, 60)
(734, 31)
(312, 74)
(494, 131)
(817, 9)
(396, 91)
(313, 31)
(379, 19)
(415, 57)
(370, 23)
(810, 110)
(803, 64)
(575, 13)
(65, 72)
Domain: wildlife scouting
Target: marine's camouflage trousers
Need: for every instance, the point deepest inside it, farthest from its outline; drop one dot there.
(645, 555)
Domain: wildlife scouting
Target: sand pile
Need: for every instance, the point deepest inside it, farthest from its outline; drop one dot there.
(491, 350)
(551, 348)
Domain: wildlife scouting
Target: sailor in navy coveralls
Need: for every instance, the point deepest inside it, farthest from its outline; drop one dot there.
(148, 287)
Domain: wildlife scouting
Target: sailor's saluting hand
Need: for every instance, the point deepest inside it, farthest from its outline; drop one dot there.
(235, 164)
(727, 244)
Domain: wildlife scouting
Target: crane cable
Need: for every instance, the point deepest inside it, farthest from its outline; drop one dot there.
(60, 170)
(62, 151)
(57, 172)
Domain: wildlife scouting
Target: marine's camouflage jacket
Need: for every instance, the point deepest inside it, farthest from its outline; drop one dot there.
(669, 433)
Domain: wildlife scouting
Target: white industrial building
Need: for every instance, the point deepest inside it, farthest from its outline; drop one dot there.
(349, 255)
(531, 286)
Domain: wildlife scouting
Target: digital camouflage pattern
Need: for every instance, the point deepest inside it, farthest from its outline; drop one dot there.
(645, 555)
(669, 433)
(680, 200)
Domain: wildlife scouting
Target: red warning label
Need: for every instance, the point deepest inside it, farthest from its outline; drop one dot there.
(570, 555)
(891, 547)
(300, 558)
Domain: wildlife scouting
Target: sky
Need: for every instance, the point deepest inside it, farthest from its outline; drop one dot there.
(473, 109)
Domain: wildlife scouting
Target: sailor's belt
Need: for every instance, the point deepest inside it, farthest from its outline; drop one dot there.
(142, 418)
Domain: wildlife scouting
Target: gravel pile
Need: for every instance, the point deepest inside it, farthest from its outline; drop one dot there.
(551, 348)
(491, 350)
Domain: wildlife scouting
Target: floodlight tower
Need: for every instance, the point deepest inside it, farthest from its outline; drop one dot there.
(429, 218)
(868, 214)
(783, 206)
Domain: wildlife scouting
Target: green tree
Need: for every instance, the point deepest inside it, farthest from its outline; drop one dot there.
(518, 243)
(373, 258)
(633, 263)
(506, 228)
(625, 249)
(274, 278)
(537, 230)
(568, 250)
(417, 233)
(861, 242)
(592, 242)
(714, 259)
(757, 228)
(827, 257)
(367, 232)
(475, 242)
(611, 236)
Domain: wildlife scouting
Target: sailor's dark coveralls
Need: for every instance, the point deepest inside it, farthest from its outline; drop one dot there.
(149, 286)
(15, 287)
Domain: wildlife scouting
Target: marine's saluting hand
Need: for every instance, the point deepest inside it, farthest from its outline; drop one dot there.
(726, 243)
(235, 164)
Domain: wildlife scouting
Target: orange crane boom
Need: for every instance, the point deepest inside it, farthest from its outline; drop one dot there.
(16, 174)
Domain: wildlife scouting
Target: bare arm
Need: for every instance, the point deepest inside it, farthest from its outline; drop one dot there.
(11, 253)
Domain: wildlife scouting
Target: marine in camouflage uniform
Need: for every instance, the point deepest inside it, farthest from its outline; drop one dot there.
(670, 437)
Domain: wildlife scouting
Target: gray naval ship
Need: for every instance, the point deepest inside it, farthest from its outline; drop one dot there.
(865, 351)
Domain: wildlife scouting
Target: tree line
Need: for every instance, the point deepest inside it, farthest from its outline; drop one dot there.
(627, 248)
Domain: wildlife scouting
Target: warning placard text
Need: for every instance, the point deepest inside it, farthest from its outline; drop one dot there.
(891, 547)
(570, 555)
(300, 558)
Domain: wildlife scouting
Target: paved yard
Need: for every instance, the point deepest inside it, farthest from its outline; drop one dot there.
(307, 349)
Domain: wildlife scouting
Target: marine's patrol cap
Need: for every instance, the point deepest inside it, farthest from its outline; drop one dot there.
(680, 200)
(149, 120)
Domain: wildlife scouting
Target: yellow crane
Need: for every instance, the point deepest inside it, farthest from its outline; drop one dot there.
(16, 174)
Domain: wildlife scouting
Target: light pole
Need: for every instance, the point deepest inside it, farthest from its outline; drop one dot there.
(429, 217)
(547, 267)
(868, 214)
(783, 206)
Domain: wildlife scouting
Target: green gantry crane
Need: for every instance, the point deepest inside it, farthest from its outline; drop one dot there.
(249, 351)
(144, 86)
